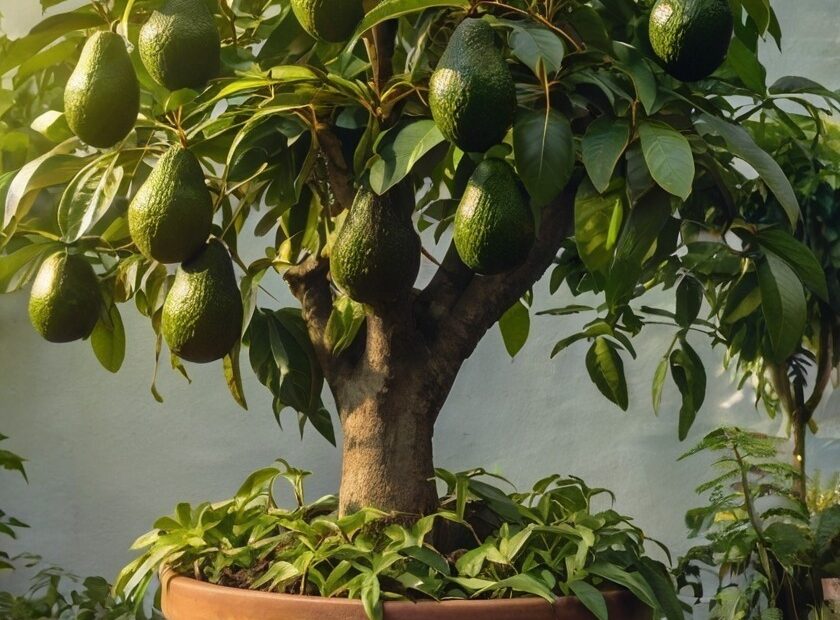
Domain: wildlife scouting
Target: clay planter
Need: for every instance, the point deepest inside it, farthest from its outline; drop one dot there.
(183, 598)
(831, 593)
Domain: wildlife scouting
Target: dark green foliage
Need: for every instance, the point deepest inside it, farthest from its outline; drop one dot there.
(65, 300)
(691, 37)
(171, 215)
(180, 45)
(102, 96)
(494, 226)
(376, 257)
(202, 316)
(330, 20)
(484, 542)
(471, 93)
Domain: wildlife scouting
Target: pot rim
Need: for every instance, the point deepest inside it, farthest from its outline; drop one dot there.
(525, 603)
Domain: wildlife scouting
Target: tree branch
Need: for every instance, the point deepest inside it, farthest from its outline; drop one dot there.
(468, 307)
(825, 365)
(309, 283)
(339, 174)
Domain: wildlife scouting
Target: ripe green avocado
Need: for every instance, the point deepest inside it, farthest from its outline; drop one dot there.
(102, 96)
(171, 215)
(329, 20)
(376, 257)
(180, 45)
(65, 299)
(494, 225)
(202, 314)
(472, 93)
(691, 37)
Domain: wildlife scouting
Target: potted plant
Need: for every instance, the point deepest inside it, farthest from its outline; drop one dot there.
(540, 133)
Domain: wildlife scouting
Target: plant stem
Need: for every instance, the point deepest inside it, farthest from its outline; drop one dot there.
(756, 524)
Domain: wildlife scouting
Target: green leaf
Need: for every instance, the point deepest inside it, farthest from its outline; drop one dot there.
(647, 220)
(783, 305)
(689, 301)
(391, 9)
(88, 197)
(669, 158)
(20, 266)
(659, 383)
(544, 148)
(634, 65)
(690, 376)
(515, 325)
(607, 371)
(593, 217)
(45, 33)
(798, 256)
(51, 168)
(50, 57)
(53, 126)
(536, 46)
(747, 66)
(233, 376)
(526, 583)
(759, 11)
(632, 581)
(741, 144)
(399, 149)
(591, 597)
(604, 143)
(346, 319)
(108, 340)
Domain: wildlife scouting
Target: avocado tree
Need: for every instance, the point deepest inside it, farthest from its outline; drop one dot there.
(547, 132)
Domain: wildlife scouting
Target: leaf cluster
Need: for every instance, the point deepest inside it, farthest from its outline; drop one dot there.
(483, 543)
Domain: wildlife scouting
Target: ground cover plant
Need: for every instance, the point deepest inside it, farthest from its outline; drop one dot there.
(520, 137)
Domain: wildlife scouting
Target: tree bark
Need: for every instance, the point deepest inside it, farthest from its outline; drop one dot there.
(388, 404)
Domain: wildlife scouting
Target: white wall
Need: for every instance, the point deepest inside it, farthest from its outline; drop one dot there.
(105, 459)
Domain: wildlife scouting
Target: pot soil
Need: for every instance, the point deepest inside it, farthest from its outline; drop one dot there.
(183, 598)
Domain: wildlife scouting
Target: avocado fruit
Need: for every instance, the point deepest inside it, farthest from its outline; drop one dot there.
(65, 300)
(180, 45)
(202, 314)
(471, 92)
(333, 21)
(494, 225)
(691, 37)
(376, 256)
(171, 216)
(102, 96)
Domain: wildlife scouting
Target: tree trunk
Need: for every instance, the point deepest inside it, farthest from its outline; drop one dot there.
(388, 405)
(387, 456)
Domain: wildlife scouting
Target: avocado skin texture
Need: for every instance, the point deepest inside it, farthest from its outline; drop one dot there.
(171, 216)
(376, 257)
(102, 96)
(180, 45)
(494, 225)
(472, 93)
(691, 37)
(333, 21)
(202, 314)
(65, 299)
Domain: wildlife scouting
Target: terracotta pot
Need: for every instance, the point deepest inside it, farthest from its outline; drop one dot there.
(183, 598)
(831, 590)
